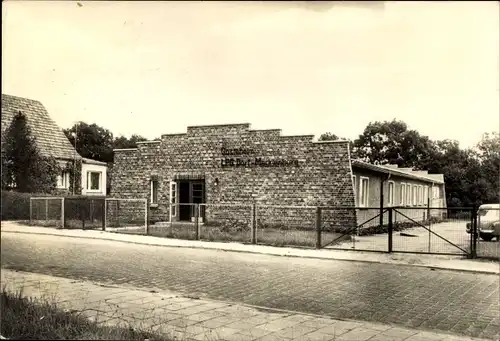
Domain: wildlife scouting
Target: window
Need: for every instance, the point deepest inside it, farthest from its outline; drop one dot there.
(402, 201)
(426, 195)
(435, 192)
(363, 192)
(408, 195)
(154, 192)
(93, 181)
(415, 195)
(391, 192)
(421, 195)
(63, 180)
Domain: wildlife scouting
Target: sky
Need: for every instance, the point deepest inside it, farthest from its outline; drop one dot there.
(153, 68)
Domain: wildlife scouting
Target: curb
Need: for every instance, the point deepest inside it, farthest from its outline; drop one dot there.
(428, 266)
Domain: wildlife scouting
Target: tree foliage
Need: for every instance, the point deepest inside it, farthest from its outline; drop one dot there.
(92, 141)
(23, 166)
(471, 175)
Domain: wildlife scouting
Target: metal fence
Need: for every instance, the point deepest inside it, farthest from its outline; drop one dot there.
(83, 212)
(429, 230)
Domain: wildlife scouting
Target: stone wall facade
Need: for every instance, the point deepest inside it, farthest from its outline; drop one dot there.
(240, 166)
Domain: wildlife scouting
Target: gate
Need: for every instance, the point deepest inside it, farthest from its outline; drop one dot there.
(420, 230)
(440, 231)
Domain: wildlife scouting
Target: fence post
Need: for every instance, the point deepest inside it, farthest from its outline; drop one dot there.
(474, 232)
(46, 209)
(389, 231)
(318, 227)
(147, 214)
(381, 216)
(62, 213)
(253, 225)
(196, 221)
(103, 207)
(117, 213)
(31, 210)
(105, 214)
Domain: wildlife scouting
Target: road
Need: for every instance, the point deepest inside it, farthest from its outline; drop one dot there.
(461, 303)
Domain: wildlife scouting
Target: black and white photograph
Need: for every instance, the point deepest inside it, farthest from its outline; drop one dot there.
(250, 170)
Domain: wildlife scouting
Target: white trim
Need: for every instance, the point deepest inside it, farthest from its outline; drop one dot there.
(89, 178)
(421, 194)
(366, 201)
(391, 197)
(402, 194)
(409, 197)
(172, 195)
(415, 195)
(151, 186)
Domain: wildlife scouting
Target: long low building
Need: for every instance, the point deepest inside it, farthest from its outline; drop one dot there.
(231, 166)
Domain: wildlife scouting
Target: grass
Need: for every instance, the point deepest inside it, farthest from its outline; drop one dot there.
(265, 236)
(25, 318)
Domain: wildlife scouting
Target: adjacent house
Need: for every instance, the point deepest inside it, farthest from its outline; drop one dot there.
(232, 164)
(51, 141)
(416, 193)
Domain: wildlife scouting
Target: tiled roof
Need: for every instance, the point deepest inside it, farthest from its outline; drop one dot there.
(49, 138)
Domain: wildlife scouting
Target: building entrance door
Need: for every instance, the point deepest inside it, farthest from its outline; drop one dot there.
(190, 192)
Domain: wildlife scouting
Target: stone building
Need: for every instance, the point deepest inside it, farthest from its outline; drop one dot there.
(229, 167)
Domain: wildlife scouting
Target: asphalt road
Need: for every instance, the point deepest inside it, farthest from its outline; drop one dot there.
(461, 303)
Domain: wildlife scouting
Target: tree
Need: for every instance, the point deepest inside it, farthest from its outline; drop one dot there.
(23, 166)
(92, 141)
(328, 137)
(392, 142)
(488, 152)
(123, 143)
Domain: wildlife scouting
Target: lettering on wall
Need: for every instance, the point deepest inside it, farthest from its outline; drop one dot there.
(252, 162)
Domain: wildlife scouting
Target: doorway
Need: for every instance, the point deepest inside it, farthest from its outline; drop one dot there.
(190, 192)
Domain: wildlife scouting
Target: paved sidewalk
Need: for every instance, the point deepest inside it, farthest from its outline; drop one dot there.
(195, 319)
(429, 261)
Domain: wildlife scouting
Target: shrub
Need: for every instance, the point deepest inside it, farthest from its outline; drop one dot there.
(15, 205)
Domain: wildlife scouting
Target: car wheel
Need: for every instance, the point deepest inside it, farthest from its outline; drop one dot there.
(486, 237)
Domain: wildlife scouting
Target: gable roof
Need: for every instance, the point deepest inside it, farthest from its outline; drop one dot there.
(49, 138)
(402, 172)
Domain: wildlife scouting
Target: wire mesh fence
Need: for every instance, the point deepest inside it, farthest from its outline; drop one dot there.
(392, 229)
(127, 214)
(84, 213)
(47, 211)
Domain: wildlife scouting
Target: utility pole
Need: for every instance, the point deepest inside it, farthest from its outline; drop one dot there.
(74, 158)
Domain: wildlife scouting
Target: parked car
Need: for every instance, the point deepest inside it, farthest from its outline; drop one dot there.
(488, 222)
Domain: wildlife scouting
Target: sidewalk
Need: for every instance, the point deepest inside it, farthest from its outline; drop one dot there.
(430, 261)
(194, 319)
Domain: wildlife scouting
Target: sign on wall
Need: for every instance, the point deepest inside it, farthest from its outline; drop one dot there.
(243, 157)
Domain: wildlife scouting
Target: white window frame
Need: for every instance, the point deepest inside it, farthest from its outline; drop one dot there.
(426, 194)
(391, 193)
(89, 177)
(364, 203)
(63, 180)
(409, 197)
(421, 195)
(415, 195)
(152, 184)
(402, 195)
(173, 191)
